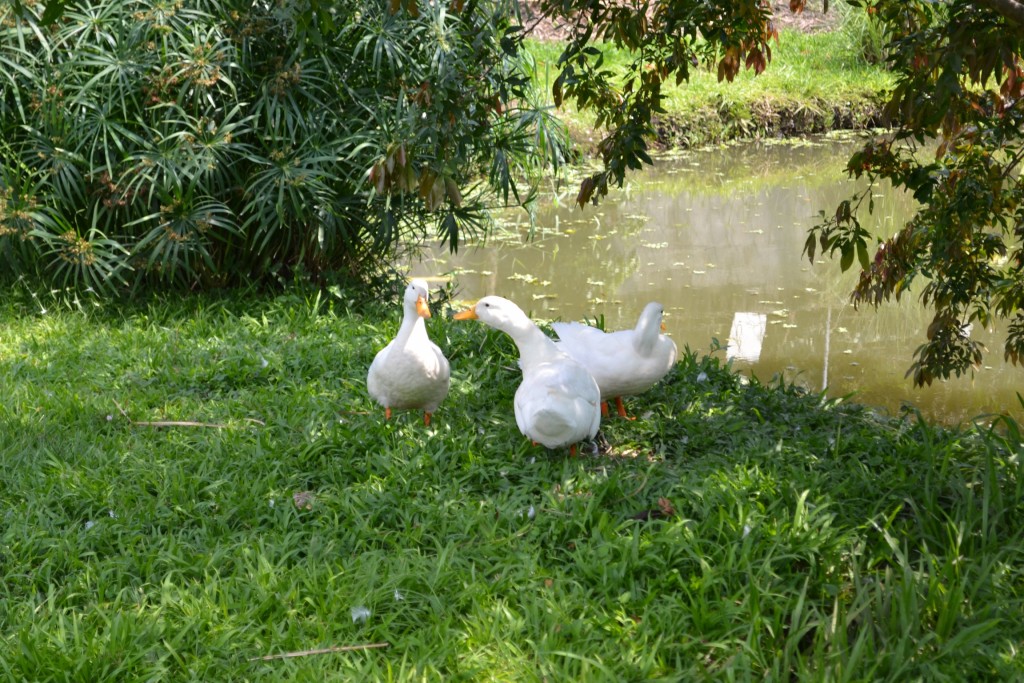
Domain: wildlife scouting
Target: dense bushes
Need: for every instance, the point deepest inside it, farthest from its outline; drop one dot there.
(201, 142)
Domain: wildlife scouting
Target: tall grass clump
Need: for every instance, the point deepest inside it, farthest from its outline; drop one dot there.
(204, 142)
(191, 486)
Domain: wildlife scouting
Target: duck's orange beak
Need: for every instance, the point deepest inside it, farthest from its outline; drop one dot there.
(422, 309)
(468, 314)
(663, 327)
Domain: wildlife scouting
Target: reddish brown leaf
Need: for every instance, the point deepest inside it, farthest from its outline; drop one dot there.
(586, 191)
(665, 505)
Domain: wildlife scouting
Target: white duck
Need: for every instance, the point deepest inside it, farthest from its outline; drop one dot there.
(558, 402)
(410, 372)
(624, 363)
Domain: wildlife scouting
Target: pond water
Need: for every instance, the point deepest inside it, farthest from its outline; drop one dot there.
(716, 236)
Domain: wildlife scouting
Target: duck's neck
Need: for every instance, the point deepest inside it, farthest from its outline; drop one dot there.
(413, 327)
(647, 332)
(534, 346)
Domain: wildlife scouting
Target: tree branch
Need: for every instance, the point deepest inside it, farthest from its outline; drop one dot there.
(1011, 10)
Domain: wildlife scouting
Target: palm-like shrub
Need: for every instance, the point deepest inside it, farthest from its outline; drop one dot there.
(200, 142)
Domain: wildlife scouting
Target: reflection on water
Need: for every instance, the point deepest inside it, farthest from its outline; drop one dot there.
(746, 336)
(717, 236)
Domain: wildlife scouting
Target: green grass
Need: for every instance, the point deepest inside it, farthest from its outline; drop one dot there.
(735, 532)
(815, 82)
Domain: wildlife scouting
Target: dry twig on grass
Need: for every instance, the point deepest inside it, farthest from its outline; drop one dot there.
(321, 651)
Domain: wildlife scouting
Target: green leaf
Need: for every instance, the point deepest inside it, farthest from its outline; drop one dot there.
(847, 258)
(862, 254)
(54, 11)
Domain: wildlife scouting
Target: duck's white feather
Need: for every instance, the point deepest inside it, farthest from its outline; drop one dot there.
(624, 363)
(558, 402)
(410, 372)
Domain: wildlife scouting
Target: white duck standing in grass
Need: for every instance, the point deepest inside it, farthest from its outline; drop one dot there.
(410, 372)
(624, 363)
(558, 402)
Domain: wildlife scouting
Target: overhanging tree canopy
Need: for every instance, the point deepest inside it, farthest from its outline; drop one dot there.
(955, 143)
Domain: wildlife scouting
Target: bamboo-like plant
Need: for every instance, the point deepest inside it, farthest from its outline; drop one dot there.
(199, 142)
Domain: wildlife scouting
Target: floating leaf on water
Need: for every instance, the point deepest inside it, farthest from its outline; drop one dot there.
(537, 297)
(848, 351)
(595, 283)
(755, 232)
(654, 245)
(529, 279)
(810, 289)
(842, 329)
(782, 312)
(710, 265)
(788, 326)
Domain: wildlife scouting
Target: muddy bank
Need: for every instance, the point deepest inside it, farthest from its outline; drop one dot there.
(765, 120)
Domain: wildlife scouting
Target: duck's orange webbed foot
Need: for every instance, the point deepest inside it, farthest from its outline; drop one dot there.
(622, 409)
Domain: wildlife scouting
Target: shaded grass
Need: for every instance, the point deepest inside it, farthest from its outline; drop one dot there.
(737, 531)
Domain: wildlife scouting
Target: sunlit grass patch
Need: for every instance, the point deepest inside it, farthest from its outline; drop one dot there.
(816, 82)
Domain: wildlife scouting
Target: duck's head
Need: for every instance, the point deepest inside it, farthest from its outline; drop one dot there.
(417, 293)
(496, 312)
(651, 319)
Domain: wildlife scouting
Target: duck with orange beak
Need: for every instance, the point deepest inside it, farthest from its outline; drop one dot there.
(557, 403)
(624, 363)
(411, 372)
